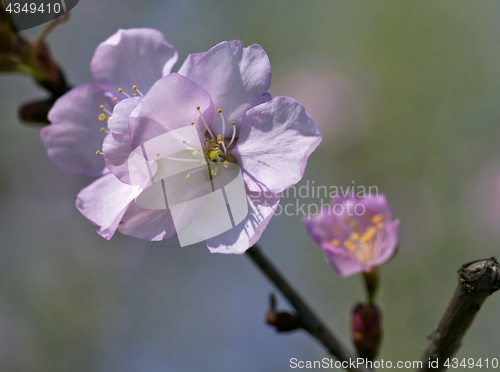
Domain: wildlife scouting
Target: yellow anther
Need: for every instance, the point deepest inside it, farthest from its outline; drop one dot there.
(218, 137)
(226, 163)
(98, 152)
(197, 107)
(350, 246)
(368, 235)
(213, 155)
(103, 130)
(211, 141)
(115, 99)
(206, 139)
(233, 123)
(120, 90)
(378, 218)
(134, 87)
(354, 236)
(101, 107)
(184, 142)
(102, 117)
(212, 172)
(134, 95)
(220, 142)
(219, 111)
(188, 175)
(157, 154)
(192, 123)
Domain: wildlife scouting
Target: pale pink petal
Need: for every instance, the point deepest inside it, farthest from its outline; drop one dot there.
(388, 244)
(104, 203)
(274, 143)
(74, 135)
(320, 225)
(189, 63)
(117, 145)
(261, 208)
(341, 261)
(137, 56)
(170, 104)
(237, 79)
(147, 224)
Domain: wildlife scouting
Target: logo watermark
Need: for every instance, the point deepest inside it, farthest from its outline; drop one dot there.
(311, 199)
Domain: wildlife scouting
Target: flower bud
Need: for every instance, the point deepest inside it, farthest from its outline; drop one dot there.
(36, 111)
(366, 330)
(282, 321)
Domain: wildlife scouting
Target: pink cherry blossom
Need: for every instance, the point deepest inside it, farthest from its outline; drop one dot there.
(355, 234)
(223, 92)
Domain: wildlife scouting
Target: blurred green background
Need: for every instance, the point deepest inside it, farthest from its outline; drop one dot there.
(407, 96)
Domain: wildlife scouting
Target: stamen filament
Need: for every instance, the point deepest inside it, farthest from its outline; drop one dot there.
(190, 147)
(234, 134)
(185, 160)
(205, 123)
(105, 110)
(223, 131)
(120, 90)
(138, 91)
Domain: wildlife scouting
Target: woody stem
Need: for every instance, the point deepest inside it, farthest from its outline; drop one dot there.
(308, 318)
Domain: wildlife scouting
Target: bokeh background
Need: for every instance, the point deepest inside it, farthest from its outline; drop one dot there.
(407, 96)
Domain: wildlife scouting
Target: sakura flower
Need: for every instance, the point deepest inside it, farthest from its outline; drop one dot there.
(134, 58)
(223, 95)
(355, 234)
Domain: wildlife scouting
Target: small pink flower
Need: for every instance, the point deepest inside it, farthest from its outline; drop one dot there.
(356, 234)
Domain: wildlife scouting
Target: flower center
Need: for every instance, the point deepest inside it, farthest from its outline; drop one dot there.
(360, 244)
(217, 152)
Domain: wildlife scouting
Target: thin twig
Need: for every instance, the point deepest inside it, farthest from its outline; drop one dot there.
(309, 320)
(477, 280)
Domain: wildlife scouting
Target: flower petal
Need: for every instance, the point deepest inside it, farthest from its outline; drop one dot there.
(261, 208)
(189, 63)
(105, 201)
(117, 144)
(147, 224)
(320, 225)
(74, 136)
(237, 79)
(137, 56)
(341, 261)
(388, 243)
(170, 104)
(275, 141)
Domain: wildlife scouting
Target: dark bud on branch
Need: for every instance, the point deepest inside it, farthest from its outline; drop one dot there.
(282, 321)
(366, 330)
(35, 112)
(33, 58)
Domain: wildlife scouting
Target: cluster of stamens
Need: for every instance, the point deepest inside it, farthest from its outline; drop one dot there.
(360, 244)
(103, 117)
(216, 152)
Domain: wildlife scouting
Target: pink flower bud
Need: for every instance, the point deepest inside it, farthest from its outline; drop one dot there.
(366, 330)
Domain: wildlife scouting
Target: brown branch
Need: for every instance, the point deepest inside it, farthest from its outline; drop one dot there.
(308, 319)
(477, 280)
